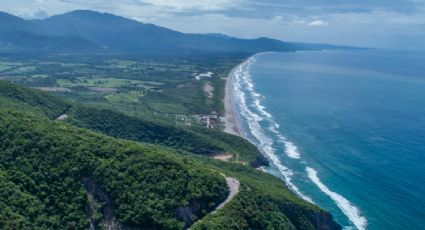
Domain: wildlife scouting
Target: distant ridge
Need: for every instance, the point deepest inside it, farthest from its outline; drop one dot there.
(10, 22)
(85, 31)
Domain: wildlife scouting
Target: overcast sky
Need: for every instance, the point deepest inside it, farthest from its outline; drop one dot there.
(373, 23)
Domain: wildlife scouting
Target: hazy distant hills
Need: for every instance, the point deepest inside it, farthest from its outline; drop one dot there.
(10, 22)
(85, 31)
(19, 35)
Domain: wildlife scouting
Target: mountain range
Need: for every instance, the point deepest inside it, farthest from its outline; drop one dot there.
(85, 31)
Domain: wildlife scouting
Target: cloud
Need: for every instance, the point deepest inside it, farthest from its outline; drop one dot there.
(39, 14)
(277, 18)
(184, 5)
(318, 23)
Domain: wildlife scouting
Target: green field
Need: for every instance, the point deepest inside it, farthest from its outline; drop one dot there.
(99, 82)
(128, 97)
(7, 65)
(133, 85)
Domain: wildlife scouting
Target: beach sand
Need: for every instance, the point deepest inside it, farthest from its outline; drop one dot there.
(230, 122)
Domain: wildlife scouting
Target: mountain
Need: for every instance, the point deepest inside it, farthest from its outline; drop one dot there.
(22, 41)
(108, 33)
(20, 35)
(10, 22)
(121, 34)
(116, 34)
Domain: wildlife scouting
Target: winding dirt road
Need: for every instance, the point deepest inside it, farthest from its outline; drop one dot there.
(234, 186)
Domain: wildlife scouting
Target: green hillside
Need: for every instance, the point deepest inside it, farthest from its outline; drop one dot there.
(54, 175)
(18, 97)
(47, 162)
(264, 202)
(117, 124)
(199, 140)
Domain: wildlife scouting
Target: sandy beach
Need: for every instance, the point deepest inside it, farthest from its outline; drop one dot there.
(231, 125)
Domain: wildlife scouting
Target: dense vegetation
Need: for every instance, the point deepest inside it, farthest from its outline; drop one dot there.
(54, 175)
(264, 203)
(160, 88)
(242, 149)
(198, 140)
(119, 125)
(44, 163)
(70, 175)
(16, 96)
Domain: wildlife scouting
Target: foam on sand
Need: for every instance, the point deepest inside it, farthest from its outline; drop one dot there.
(351, 211)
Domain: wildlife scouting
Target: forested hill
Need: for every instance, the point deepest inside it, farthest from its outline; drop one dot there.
(117, 124)
(93, 32)
(54, 175)
(17, 97)
(199, 141)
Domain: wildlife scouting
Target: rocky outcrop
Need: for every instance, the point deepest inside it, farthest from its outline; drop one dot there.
(190, 213)
(324, 220)
(307, 218)
(99, 202)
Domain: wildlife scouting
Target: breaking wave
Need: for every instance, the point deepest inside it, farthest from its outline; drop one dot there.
(351, 211)
(255, 113)
(249, 106)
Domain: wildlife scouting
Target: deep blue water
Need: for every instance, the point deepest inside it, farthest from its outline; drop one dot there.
(344, 129)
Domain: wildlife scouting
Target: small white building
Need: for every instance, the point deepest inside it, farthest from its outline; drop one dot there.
(204, 75)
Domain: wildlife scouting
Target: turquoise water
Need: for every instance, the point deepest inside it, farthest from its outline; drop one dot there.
(343, 129)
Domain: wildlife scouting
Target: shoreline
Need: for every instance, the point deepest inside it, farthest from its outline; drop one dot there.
(233, 126)
(230, 118)
(231, 123)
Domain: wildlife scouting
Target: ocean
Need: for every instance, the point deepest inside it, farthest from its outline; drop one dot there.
(343, 129)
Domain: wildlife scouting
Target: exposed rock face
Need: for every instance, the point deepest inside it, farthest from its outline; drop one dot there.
(325, 221)
(190, 213)
(97, 196)
(307, 218)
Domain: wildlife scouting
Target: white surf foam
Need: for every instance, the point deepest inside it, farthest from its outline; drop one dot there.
(351, 211)
(292, 150)
(243, 88)
(254, 115)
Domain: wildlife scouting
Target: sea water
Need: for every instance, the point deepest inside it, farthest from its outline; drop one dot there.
(343, 129)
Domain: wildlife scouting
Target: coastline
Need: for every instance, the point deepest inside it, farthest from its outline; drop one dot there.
(230, 119)
(233, 124)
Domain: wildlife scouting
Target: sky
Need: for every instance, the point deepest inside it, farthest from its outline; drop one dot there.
(398, 24)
